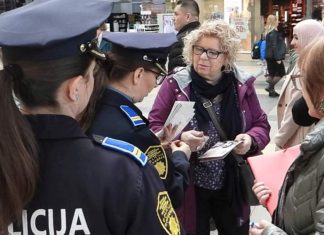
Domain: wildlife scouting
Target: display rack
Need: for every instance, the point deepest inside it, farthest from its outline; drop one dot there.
(289, 13)
(297, 12)
(151, 28)
(149, 22)
(118, 22)
(133, 20)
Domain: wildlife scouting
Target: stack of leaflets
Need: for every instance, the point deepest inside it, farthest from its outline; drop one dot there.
(219, 151)
(181, 114)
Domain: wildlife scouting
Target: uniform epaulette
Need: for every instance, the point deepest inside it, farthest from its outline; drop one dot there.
(122, 146)
(132, 115)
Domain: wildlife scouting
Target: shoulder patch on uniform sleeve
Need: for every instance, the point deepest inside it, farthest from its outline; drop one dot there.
(132, 115)
(166, 214)
(127, 148)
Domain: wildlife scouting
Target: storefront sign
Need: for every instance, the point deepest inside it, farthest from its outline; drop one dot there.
(241, 26)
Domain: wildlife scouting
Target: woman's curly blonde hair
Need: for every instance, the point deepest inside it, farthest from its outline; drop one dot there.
(229, 40)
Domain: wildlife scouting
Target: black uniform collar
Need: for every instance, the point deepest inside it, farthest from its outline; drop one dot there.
(113, 98)
(55, 127)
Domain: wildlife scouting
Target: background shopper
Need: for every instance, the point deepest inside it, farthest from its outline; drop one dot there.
(186, 19)
(275, 54)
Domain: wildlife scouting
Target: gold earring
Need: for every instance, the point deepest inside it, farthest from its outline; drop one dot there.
(321, 106)
(76, 97)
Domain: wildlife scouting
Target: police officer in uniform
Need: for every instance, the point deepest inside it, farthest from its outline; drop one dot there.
(53, 178)
(133, 68)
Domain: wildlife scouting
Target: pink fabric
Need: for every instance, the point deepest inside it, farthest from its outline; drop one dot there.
(307, 30)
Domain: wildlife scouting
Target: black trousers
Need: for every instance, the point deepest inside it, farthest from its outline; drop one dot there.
(214, 204)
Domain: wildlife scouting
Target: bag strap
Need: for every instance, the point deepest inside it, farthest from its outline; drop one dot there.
(209, 107)
(244, 169)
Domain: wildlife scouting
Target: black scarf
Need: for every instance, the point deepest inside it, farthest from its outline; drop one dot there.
(230, 117)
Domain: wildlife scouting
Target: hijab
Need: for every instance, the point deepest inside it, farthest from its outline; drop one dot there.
(307, 31)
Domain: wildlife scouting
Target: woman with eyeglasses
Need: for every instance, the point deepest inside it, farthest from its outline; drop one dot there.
(210, 52)
(289, 133)
(133, 68)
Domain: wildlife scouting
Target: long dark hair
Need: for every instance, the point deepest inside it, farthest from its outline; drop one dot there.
(85, 118)
(115, 68)
(35, 84)
(118, 66)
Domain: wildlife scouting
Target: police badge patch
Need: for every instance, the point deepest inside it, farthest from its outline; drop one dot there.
(157, 157)
(166, 214)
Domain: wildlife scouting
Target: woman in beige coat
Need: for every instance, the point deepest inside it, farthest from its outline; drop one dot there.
(289, 133)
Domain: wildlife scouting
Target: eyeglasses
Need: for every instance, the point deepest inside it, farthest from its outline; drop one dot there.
(211, 54)
(158, 76)
(297, 84)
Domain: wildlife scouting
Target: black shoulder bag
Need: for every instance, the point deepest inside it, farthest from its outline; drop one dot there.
(246, 177)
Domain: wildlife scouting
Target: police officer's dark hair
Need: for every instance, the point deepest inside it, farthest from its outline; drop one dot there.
(35, 84)
(117, 66)
(190, 5)
(85, 117)
(42, 79)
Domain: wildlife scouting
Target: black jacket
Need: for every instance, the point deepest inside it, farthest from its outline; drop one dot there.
(110, 120)
(175, 55)
(86, 189)
(275, 46)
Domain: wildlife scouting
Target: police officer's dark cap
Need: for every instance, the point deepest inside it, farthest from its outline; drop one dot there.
(150, 47)
(51, 29)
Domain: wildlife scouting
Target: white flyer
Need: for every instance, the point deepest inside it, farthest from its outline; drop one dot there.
(219, 151)
(181, 114)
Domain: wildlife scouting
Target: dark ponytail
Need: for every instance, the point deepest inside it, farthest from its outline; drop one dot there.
(86, 117)
(102, 69)
(35, 84)
(117, 67)
(18, 155)
(114, 68)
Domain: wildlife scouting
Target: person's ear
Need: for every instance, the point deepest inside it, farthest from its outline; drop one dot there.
(138, 75)
(188, 16)
(226, 60)
(73, 88)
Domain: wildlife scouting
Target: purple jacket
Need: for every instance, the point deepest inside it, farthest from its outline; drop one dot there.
(176, 87)
(255, 123)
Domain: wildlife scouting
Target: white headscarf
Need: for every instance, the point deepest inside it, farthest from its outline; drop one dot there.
(307, 31)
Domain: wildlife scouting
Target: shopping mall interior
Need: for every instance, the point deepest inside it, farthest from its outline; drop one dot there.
(247, 16)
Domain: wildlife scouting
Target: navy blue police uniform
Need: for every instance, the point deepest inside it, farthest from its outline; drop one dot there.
(85, 187)
(117, 117)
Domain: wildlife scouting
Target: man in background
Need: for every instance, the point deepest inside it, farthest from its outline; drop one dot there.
(186, 19)
(317, 14)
